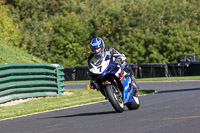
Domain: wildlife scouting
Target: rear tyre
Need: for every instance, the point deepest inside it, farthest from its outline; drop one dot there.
(115, 98)
(134, 105)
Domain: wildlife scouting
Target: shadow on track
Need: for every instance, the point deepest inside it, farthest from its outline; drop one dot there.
(179, 90)
(81, 114)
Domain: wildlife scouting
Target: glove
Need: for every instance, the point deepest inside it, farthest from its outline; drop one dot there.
(118, 60)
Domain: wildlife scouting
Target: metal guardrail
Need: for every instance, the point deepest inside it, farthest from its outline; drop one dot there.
(143, 70)
(23, 80)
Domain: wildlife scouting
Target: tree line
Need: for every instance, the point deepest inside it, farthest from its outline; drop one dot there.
(59, 31)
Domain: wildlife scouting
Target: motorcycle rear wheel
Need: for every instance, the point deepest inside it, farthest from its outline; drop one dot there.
(115, 100)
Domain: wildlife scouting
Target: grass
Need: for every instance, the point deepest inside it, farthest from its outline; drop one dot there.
(149, 79)
(17, 56)
(72, 98)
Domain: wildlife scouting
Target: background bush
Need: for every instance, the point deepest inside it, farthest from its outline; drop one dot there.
(146, 31)
(9, 31)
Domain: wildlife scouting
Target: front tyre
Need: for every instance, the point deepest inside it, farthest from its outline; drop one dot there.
(134, 105)
(115, 98)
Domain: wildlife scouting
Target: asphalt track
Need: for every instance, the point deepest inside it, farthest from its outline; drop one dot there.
(175, 108)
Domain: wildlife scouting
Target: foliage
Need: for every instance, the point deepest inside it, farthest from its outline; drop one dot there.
(69, 40)
(9, 32)
(146, 31)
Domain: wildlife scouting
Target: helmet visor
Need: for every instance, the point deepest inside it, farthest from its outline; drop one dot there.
(96, 50)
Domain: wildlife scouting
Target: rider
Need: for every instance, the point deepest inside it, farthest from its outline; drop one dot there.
(98, 51)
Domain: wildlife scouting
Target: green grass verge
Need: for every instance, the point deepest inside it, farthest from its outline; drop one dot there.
(12, 54)
(149, 79)
(74, 97)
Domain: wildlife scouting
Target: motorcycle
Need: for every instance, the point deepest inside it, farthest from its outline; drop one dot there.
(114, 83)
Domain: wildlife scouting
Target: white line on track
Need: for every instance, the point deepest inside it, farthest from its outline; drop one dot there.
(52, 110)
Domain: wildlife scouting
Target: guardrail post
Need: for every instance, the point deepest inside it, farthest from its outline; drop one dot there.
(60, 79)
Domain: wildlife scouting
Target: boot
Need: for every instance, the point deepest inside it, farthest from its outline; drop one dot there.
(134, 86)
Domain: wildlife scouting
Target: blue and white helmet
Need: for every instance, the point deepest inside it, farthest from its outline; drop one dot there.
(97, 43)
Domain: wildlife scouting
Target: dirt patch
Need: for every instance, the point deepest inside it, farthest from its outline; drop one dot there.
(15, 102)
(18, 101)
(68, 93)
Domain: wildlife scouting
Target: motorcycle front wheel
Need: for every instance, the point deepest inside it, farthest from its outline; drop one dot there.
(115, 98)
(134, 105)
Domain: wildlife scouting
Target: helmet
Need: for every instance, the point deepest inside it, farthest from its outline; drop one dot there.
(97, 43)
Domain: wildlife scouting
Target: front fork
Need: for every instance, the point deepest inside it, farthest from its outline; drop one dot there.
(116, 90)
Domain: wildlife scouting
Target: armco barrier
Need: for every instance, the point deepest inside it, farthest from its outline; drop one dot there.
(23, 80)
(187, 58)
(134, 68)
(81, 73)
(70, 73)
(149, 70)
(194, 68)
(178, 69)
(144, 70)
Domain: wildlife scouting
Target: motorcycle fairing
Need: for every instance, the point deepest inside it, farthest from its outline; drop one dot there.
(98, 66)
(128, 92)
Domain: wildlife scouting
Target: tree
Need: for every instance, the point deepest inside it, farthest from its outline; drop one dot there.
(70, 40)
(9, 31)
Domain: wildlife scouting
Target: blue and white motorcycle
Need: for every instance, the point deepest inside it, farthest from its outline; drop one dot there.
(114, 83)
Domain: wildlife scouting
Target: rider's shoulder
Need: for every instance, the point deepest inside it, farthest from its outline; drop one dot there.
(90, 57)
(109, 49)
